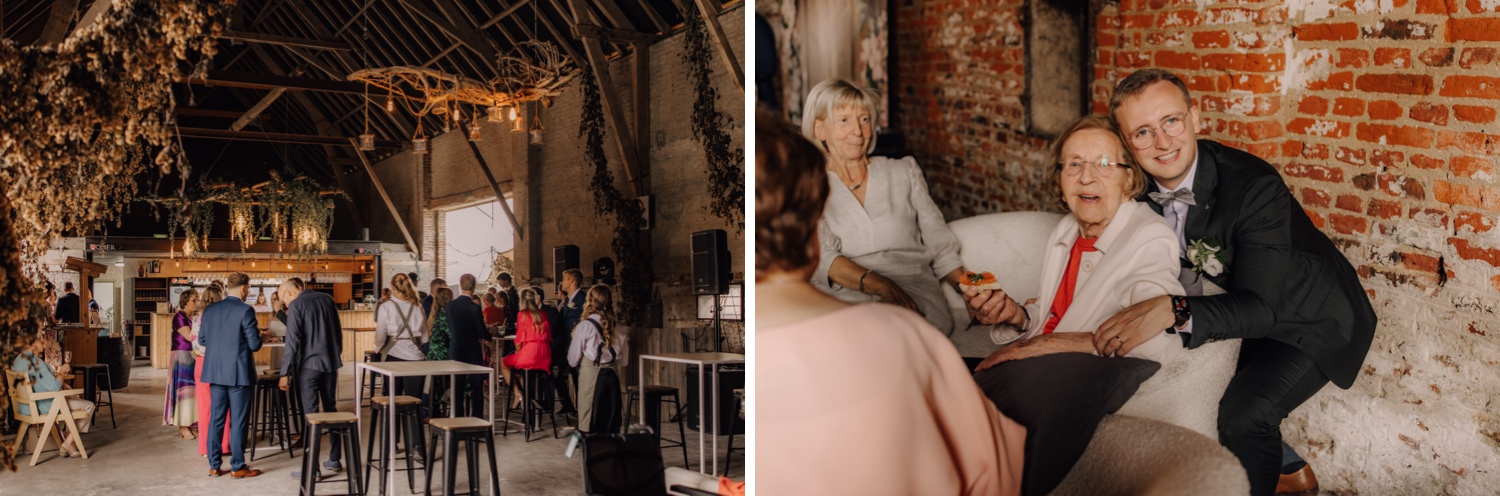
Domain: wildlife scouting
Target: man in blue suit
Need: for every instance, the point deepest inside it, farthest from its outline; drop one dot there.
(570, 311)
(229, 336)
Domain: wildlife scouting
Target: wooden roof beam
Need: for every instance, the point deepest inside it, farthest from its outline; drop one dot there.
(269, 82)
(710, 13)
(295, 139)
(58, 19)
(462, 32)
(286, 41)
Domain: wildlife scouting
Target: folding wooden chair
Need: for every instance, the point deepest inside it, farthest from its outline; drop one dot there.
(19, 385)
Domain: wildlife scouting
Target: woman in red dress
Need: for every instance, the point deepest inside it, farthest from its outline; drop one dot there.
(533, 341)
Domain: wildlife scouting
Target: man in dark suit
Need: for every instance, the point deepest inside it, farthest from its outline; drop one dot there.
(427, 297)
(570, 311)
(314, 341)
(1291, 295)
(512, 298)
(67, 306)
(466, 323)
(229, 335)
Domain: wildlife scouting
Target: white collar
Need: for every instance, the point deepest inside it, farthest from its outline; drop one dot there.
(1187, 182)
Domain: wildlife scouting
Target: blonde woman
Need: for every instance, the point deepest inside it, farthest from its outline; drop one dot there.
(599, 342)
(400, 331)
(533, 342)
(181, 409)
(212, 294)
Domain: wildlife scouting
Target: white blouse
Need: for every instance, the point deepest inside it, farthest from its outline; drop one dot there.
(898, 233)
(388, 326)
(586, 340)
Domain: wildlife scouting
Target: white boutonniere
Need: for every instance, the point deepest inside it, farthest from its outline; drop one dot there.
(1207, 256)
(572, 304)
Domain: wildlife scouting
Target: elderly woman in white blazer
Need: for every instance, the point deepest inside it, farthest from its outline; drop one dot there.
(1109, 252)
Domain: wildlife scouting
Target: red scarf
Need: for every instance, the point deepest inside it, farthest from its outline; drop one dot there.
(1064, 297)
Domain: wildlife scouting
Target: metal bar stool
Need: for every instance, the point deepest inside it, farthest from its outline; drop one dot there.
(737, 423)
(408, 427)
(269, 414)
(656, 395)
(92, 373)
(536, 400)
(334, 424)
(373, 383)
(467, 430)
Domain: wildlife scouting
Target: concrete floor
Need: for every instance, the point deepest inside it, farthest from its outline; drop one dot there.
(144, 457)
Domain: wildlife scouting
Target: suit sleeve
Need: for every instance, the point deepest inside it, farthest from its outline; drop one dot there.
(251, 329)
(1262, 261)
(294, 332)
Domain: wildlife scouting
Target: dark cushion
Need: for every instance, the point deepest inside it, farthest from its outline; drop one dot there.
(1060, 398)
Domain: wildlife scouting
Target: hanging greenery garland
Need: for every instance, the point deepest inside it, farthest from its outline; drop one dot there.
(299, 210)
(726, 173)
(630, 221)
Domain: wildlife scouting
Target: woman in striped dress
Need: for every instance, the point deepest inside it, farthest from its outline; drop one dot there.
(182, 410)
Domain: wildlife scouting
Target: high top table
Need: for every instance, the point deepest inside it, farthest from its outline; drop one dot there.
(392, 370)
(701, 360)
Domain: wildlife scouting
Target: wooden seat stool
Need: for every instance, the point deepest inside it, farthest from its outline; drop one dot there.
(467, 430)
(341, 424)
(408, 428)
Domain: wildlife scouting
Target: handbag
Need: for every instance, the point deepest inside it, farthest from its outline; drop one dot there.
(623, 465)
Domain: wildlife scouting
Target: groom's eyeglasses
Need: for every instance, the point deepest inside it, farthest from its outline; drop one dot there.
(1172, 125)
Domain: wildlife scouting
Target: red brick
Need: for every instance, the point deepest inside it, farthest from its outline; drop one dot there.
(1384, 209)
(1315, 172)
(1313, 105)
(1338, 81)
(1351, 58)
(1429, 217)
(1471, 86)
(1255, 83)
(1317, 220)
(1473, 222)
(1315, 197)
(1199, 84)
(1348, 224)
(1385, 134)
(1426, 162)
(1472, 113)
(1187, 17)
(1475, 143)
(1402, 186)
(1349, 202)
(1265, 151)
(1344, 31)
(1473, 29)
(1477, 57)
(1400, 29)
(1178, 60)
(1255, 130)
(1467, 251)
(1291, 148)
(1437, 57)
(1132, 60)
(1467, 166)
(1461, 194)
(1352, 107)
(1211, 39)
(1398, 57)
(1316, 151)
(1318, 127)
(1419, 262)
(1245, 62)
(1429, 112)
(1406, 84)
(1437, 6)
(1350, 156)
(1386, 158)
(1384, 110)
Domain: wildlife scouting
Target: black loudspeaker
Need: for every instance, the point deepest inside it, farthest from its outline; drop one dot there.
(729, 380)
(710, 262)
(604, 271)
(563, 258)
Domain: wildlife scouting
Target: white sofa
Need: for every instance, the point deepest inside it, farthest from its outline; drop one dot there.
(1164, 440)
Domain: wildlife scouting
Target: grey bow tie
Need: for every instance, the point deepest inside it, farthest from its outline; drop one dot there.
(1184, 195)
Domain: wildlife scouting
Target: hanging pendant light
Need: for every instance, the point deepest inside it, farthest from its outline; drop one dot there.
(496, 114)
(536, 126)
(474, 131)
(419, 146)
(366, 142)
(390, 104)
(517, 125)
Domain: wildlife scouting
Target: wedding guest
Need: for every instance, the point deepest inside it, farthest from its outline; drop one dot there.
(466, 321)
(882, 237)
(181, 408)
(494, 310)
(533, 342)
(427, 297)
(67, 305)
(400, 331)
(211, 294)
(1291, 294)
(570, 311)
(1107, 253)
(439, 335)
(895, 375)
(512, 296)
(43, 380)
(230, 335)
(599, 343)
(314, 341)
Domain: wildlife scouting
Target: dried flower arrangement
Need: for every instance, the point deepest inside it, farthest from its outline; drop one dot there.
(726, 173)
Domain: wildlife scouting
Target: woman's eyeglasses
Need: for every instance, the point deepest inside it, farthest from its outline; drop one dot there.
(1101, 167)
(1172, 125)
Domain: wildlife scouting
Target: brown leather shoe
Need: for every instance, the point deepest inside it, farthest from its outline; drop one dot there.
(244, 472)
(213, 472)
(1300, 481)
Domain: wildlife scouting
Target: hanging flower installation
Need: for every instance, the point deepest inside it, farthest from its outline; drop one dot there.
(726, 173)
(78, 122)
(298, 211)
(630, 221)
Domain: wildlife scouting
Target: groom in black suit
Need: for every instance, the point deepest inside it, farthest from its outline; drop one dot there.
(1290, 294)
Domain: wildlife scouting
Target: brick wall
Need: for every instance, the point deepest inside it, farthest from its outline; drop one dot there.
(1381, 117)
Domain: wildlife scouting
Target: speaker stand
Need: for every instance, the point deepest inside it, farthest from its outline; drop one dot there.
(718, 327)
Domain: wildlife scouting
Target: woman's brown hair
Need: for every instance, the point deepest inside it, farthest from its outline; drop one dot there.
(403, 289)
(601, 300)
(440, 300)
(1053, 176)
(791, 187)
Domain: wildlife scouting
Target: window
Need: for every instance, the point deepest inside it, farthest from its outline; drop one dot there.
(475, 235)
